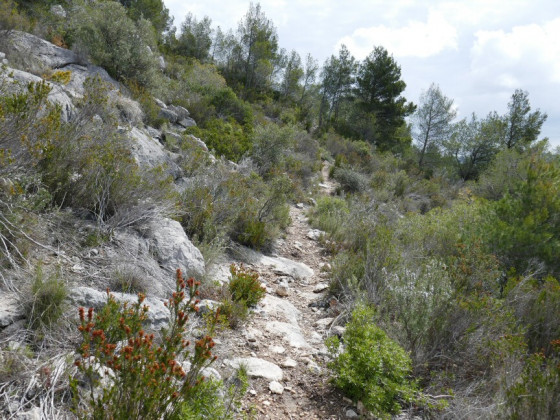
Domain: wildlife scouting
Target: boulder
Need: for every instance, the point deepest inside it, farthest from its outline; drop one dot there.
(80, 73)
(280, 309)
(160, 103)
(58, 10)
(10, 309)
(158, 314)
(180, 111)
(281, 266)
(56, 96)
(173, 249)
(257, 368)
(36, 54)
(276, 387)
(290, 332)
(196, 141)
(150, 153)
(315, 234)
(168, 114)
(186, 122)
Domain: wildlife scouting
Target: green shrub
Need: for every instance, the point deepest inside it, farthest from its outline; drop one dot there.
(226, 137)
(11, 18)
(243, 291)
(329, 215)
(89, 166)
(114, 41)
(523, 227)
(534, 396)
(232, 313)
(144, 378)
(371, 368)
(47, 300)
(128, 279)
(350, 181)
(245, 286)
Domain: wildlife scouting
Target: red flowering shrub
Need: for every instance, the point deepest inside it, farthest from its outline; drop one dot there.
(130, 375)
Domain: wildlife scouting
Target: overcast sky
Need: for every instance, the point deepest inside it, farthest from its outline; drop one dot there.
(478, 51)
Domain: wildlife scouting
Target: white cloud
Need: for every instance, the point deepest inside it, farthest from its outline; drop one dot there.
(529, 52)
(417, 39)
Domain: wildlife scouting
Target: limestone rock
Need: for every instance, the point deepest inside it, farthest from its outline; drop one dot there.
(315, 234)
(351, 414)
(81, 72)
(314, 368)
(279, 308)
(290, 332)
(323, 323)
(38, 54)
(180, 111)
(320, 287)
(197, 142)
(158, 314)
(258, 368)
(150, 153)
(56, 96)
(289, 363)
(58, 10)
(186, 122)
(168, 114)
(208, 306)
(276, 387)
(280, 265)
(282, 290)
(10, 309)
(174, 249)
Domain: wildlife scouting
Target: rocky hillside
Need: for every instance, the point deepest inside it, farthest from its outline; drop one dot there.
(282, 343)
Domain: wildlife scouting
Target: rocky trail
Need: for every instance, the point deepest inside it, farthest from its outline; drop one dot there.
(282, 344)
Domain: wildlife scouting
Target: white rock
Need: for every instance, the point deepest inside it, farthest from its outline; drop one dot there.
(258, 368)
(174, 249)
(314, 368)
(150, 153)
(323, 323)
(277, 349)
(10, 309)
(315, 234)
(289, 363)
(282, 291)
(289, 332)
(320, 287)
(276, 387)
(280, 265)
(279, 308)
(351, 414)
(158, 314)
(33, 414)
(300, 205)
(339, 330)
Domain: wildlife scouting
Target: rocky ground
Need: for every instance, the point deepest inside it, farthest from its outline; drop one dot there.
(282, 344)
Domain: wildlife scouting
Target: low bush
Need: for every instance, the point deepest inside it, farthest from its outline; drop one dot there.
(371, 368)
(142, 377)
(225, 136)
(128, 279)
(243, 291)
(350, 181)
(245, 286)
(47, 304)
(220, 203)
(535, 394)
(126, 49)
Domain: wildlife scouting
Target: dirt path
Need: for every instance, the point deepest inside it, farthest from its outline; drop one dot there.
(289, 329)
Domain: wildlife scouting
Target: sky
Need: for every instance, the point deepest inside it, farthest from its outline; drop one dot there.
(477, 51)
